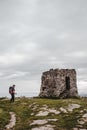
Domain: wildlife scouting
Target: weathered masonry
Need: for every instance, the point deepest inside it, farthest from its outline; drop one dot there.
(60, 83)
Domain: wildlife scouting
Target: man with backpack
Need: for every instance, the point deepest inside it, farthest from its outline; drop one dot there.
(12, 93)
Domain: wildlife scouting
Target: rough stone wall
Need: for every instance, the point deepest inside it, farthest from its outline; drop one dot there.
(60, 83)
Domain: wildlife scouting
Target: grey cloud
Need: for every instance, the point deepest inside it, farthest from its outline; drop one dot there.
(41, 34)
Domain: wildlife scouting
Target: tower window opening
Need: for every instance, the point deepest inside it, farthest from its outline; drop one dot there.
(67, 83)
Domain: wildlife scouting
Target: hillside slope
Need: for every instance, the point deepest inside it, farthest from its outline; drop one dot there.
(43, 114)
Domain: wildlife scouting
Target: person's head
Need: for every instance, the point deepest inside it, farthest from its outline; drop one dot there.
(13, 85)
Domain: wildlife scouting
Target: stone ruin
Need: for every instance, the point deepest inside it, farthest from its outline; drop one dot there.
(59, 83)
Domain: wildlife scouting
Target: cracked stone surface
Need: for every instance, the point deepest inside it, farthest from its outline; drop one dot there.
(45, 107)
(82, 129)
(53, 111)
(43, 113)
(71, 107)
(39, 122)
(63, 110)
(12, 121)
(52, 119)
(81, 122)
(46, 127)
(75, 129)
(85, 115)
(79, 129)
(46, 112)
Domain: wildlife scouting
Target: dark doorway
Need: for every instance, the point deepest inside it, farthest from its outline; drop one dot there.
(67, 83)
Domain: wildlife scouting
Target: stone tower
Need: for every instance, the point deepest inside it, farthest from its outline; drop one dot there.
(59, 83)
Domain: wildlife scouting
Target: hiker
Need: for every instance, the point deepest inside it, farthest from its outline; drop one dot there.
(12, 92)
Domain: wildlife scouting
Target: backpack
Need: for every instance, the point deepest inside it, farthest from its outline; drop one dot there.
(10, 90)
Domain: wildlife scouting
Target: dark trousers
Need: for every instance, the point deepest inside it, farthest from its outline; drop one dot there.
(12, 97)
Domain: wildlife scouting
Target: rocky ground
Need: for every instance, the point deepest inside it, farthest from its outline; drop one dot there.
(43, 114)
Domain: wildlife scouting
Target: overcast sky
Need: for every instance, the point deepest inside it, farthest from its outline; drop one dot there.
(36, 35)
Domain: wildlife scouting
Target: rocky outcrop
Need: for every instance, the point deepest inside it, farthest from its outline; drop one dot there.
(60, 83)
(12, 121)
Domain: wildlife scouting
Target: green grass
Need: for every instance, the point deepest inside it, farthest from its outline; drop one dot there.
(4, 115)
(23, 107)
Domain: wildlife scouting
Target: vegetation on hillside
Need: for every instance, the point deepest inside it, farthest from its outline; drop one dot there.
(27, 109)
